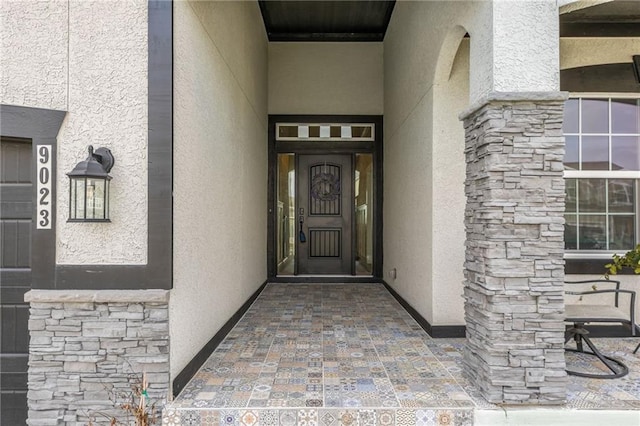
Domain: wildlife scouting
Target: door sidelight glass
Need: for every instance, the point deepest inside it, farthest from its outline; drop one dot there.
(286, 229)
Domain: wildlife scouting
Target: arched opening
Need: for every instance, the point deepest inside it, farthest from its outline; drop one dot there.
(450, 98)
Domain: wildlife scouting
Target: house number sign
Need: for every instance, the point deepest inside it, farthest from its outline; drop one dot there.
(44, 176)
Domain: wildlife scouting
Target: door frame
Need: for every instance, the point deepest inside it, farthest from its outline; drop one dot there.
(330, 147)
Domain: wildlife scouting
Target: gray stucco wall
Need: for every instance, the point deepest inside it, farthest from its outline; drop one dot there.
(220, 168)
(325, 78)
(88, 58)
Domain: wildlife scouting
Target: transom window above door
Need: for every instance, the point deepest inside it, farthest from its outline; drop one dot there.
(325, 132)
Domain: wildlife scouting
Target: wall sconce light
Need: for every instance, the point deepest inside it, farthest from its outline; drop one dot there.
(89, 187)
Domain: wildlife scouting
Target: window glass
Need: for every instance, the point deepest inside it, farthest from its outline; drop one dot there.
(285, 240)
(571, 196)
(595, 116)
(625, 154)
(571, 116)
(361, 131)
(288, 131)
(364, 213)
(624, 116)
(572, 153)
(592, 231)
(595, 153)
(592, 196)
(571, 232)
(621, 195)
(621, 232)
(325, 132)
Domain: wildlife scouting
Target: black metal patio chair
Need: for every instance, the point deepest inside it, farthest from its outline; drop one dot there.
(580, 314)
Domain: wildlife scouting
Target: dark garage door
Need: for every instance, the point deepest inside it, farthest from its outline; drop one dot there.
(15, 277)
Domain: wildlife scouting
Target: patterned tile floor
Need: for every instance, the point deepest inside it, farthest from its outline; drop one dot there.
(336, 354)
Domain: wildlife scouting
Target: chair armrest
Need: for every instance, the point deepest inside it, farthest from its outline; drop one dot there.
(602, 281)
(616, 282)
(611, 290)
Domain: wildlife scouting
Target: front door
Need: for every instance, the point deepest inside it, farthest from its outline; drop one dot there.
(15, 277)
(325, 214)
(324, 198)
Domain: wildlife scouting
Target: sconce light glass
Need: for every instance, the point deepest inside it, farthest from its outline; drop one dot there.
(89, 187)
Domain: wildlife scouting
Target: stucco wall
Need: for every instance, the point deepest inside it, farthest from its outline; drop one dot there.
(580, 52)
(34, 71)
(426, 87)
(525, 46)
(567, 6)
(427, 83)
(88, 58)
(451, 95)
(425, 241)
(325, 78)
(220, 168)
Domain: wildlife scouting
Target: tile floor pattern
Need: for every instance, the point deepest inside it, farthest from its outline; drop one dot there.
(334, 354)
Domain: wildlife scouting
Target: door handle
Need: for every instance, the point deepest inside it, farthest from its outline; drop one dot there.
(301, 236)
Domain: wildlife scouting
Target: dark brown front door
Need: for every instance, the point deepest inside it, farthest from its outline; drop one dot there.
(325, 213)
(15, 277)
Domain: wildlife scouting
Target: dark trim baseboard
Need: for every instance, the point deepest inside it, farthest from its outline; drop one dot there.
(325, 279)
(435, 331)
(590, 267)
(444, 331)
(194, 365)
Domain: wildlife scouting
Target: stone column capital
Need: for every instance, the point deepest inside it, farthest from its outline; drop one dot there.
(512, 97)
(97, 296)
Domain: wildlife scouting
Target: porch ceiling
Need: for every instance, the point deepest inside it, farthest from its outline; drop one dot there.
(365, 20)
(617, 18)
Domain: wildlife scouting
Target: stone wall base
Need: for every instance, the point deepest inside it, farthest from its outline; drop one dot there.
(88, 350)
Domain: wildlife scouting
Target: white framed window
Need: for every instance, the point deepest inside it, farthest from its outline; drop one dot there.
(602, 174)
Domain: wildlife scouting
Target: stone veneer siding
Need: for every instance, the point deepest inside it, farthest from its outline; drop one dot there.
(514, 267)
(87, 347)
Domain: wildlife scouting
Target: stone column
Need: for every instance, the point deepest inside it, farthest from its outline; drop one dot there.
(87, 350)
(514, 267)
